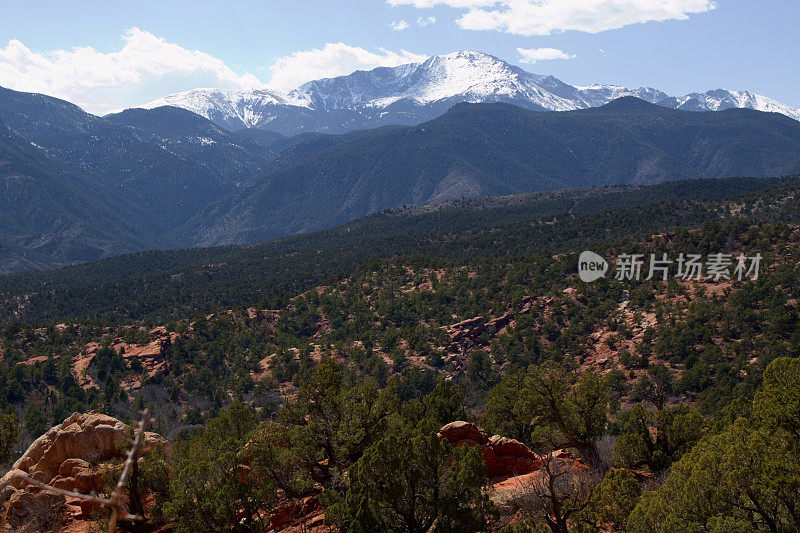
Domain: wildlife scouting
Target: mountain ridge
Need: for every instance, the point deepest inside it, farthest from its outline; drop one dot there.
(169, 178)
(494, 149)
(413, 93)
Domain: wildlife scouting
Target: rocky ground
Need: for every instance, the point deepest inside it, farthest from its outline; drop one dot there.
(84, 455)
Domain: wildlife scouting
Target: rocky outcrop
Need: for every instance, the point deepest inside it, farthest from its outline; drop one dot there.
(471, 329)
(463, 333)
(291, 513)
(459, 432)
(503, 456)
(71, 456)
(510, 457)
(152, 356)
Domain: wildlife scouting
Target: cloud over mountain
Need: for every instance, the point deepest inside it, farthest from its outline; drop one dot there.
(544, 17)
(99, 82)
(533, 55)
(333, 59)
(89, 77)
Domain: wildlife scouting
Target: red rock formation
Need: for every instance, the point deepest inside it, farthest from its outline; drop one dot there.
(151, 355)
(459, 431)
(63, 458)
(294, 512)
(508, 491)
(460, 332)
(500, 322)
(503, 456)
(472, 328)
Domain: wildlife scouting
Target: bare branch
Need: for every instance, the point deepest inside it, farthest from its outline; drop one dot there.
(116, 496)
(86, 497)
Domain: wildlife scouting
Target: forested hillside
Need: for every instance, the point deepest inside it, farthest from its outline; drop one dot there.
(495, 149)
(163, 285)
(49, 213)
(637, 405)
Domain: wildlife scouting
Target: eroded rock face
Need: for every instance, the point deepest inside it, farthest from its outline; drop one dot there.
(70, 456)
(293, 512)
(467, 331)
(152, 356)
(513, 492)
(503, 456)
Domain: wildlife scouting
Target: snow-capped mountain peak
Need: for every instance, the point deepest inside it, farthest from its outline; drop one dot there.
(230, 108)
(413, 93)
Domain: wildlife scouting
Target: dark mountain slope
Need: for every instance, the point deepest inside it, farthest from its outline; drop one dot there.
(169, 122)
(495, 149)
(49, 216)
(174, 179)
(166, 167)
(149, 170)
(166, 284)
(234, 157)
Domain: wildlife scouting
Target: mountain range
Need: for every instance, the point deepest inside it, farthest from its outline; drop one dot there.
(417, 92)
(79, 187)
(494, 149)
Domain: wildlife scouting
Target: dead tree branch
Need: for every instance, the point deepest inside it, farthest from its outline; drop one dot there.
(114, 501)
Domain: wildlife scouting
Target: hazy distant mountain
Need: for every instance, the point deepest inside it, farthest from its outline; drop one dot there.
(413, 93)
(78, 187)
(495, 149)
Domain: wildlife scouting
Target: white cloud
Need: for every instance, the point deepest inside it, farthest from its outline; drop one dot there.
(104, 82)
(431, 3)
(400, 25)
(543, 17)
(532, 55)
(334, 59)
(424, 21)
(89, 78)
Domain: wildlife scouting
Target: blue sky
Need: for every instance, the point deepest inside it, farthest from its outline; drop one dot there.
(107, 55)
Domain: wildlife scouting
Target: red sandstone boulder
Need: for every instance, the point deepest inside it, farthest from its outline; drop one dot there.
(503, 456)
(63, 458)
(458, 431)
(506, 446)
(510, 457)
(71, 465)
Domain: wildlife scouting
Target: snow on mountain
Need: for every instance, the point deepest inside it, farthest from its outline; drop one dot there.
(597, 95)
(466, 76)
(416, 92)
(231, 108)
(720, 99)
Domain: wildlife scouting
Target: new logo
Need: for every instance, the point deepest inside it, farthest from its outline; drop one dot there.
(591, 266)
